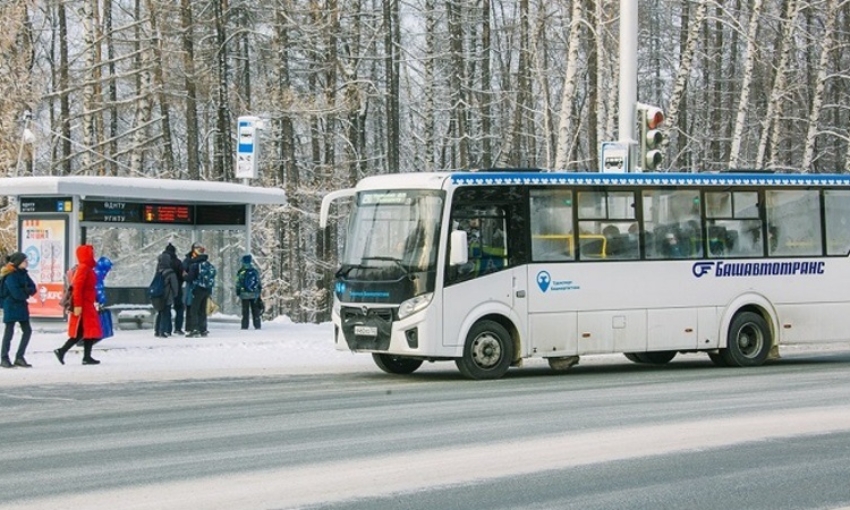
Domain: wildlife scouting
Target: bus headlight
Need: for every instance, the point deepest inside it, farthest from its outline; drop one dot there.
(413, 305)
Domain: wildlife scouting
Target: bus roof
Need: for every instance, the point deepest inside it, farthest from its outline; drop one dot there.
(438, 180)
(647, 179)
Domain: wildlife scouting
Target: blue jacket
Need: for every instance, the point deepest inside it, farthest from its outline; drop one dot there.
(17, 288)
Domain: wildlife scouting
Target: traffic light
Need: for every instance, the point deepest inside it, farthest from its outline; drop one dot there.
(650, 119)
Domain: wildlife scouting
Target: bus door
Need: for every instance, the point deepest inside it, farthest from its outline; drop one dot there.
(489, 282)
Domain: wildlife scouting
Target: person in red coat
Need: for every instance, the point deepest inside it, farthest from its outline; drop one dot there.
(84, 323)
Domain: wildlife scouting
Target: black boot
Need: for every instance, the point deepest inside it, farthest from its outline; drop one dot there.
(60, 352)
(87, 359)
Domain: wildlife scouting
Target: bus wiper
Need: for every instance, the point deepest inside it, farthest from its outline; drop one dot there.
(389, 259)
(346, 268)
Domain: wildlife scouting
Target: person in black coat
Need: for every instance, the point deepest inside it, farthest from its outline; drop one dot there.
(163, 316)
(179, 305)
(17, 287)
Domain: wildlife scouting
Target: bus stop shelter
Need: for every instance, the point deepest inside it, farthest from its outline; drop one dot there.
(130, 220)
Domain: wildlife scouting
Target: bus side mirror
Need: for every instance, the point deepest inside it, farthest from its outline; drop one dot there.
(458, 255)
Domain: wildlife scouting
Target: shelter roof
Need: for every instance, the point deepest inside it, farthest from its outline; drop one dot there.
(140, 188)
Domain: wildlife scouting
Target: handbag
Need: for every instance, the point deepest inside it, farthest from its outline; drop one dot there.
(105, 324)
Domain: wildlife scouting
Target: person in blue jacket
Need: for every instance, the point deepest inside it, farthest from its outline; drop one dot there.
(16, 287)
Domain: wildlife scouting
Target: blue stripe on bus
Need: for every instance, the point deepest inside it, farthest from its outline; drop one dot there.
(509, 178)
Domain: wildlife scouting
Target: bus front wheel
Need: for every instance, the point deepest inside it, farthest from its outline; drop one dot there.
(488, 352)
(396, 364)
(749, 341)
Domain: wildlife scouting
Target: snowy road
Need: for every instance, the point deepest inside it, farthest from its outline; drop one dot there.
(340, 434)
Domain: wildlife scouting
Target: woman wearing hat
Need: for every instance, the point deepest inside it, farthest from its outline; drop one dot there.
(16, 287)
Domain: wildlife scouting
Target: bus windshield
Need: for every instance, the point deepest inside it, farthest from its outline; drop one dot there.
(393, 231)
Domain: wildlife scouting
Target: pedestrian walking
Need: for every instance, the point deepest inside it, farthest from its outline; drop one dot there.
(84, 322)
(200, 280)
(179, 304)
(166, 277)
(16, 287)
(248, 290)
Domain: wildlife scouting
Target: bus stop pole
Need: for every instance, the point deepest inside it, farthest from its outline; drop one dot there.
(248, 211)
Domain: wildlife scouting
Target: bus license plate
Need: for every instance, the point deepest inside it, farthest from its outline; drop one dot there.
(366, 330)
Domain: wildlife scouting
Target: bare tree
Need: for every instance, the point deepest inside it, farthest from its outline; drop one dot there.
(746, 77)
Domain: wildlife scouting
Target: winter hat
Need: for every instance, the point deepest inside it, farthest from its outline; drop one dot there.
(170, 249)
(246, 259)
(16, 258)
(198, 247)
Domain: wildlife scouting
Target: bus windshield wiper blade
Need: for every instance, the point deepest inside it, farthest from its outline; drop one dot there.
(388, 259)
(346, 268)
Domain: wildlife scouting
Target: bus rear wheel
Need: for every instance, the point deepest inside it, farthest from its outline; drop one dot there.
(717, 359)
(396, 364)
(488, 351)
(749, 341)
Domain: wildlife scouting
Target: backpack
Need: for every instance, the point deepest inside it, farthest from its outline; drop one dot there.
(67, 299)
(250, 280)
(206, 275)
(156, 291)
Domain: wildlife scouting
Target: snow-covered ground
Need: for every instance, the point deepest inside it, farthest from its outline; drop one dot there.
(279, 347)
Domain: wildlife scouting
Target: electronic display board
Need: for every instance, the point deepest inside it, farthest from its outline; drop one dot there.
(45, 204)
(220, 215)
(169, 213)
(111, 211)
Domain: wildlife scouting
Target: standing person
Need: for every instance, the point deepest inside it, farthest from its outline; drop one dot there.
(179, 305)
(83, 323)
(200, 279)
(248, 289)
(170, 289)
(16, 287)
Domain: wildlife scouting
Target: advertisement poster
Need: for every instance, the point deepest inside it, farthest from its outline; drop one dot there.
(44, 241)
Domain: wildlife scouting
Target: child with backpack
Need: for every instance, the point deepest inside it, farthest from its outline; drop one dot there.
(248, 289)
(200, 280)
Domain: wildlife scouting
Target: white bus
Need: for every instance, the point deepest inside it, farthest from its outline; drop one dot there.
(489, 268)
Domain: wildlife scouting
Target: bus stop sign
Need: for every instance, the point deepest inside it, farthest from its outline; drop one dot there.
(247, 147)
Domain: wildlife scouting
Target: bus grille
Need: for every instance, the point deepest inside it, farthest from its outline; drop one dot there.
(370, 320)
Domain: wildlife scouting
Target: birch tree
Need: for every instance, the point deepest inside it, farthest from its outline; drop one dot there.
(827, 46)
(771, 122)
(746, 77)
(565, 124)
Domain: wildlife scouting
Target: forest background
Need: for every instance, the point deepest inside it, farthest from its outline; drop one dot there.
(362, 87)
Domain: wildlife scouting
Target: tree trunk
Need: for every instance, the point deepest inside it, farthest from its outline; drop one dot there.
(771, 123)
(747, 78)
(827, 45)
(187, 23)
(685, 67)
(223, 157)
(566, 136)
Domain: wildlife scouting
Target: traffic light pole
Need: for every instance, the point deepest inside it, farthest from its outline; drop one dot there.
(628, 78)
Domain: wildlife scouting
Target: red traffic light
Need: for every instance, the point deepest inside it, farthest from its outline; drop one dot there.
(654, 118)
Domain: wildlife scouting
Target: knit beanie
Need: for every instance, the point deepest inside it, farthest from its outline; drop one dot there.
(170, 249)
(16, 258)
(246, 259)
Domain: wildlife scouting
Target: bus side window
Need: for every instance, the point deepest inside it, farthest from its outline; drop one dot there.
(551, 225)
